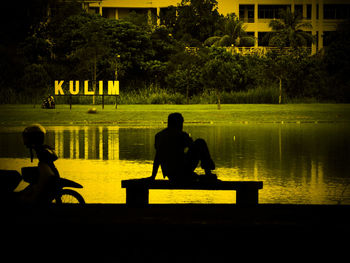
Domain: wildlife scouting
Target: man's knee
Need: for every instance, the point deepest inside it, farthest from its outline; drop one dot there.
(206, 162)
(200, 143)
(201, 148)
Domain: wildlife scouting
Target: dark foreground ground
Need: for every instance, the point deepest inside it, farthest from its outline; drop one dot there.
(177, 233)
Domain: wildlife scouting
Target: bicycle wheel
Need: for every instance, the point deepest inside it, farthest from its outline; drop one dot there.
(69, 196)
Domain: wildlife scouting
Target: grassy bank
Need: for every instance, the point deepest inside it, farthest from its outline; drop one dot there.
(153, 95)
(157, 114)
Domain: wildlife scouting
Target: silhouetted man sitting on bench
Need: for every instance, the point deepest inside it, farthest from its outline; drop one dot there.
(179, 155)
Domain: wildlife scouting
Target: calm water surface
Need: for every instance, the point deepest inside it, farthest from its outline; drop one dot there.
(299, 163)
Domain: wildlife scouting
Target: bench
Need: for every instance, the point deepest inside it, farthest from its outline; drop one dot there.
(137, 190)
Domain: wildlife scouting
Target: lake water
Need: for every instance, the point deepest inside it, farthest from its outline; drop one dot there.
(304, 163)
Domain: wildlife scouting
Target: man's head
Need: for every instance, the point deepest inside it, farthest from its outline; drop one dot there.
(175, 121)
(34, 135)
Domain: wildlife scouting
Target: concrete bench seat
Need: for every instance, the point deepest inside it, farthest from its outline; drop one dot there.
(137, 190)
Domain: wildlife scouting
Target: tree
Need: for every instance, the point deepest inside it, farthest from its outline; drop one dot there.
(83, 43)
(156, 71)
(168, 17)
(337, 63)
(140, 20)
(164, 44)
(220, 73)
(196, 21)
(184, 71)
(92, 47)
(233, 33)
(36, 81)
(25, 17)
(290, 69)
(288, 31)
(163, 47)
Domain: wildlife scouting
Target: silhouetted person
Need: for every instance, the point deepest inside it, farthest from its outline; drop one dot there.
(42, 191)
(178, 155)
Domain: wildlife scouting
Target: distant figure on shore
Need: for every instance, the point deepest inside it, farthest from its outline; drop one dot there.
(48, 103)
(178, 155)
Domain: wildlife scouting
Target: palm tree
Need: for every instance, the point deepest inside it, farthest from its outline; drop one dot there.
(288, 31)
(233, 33)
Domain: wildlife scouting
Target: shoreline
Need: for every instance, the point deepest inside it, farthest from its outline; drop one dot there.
(161, 124)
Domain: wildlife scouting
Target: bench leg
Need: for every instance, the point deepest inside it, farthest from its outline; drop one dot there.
(137, 196)
(247, 196)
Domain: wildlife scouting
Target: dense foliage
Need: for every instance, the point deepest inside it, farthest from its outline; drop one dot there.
(182, 61)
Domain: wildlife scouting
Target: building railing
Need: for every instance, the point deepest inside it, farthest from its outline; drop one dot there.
(261, 51)
(247, 19)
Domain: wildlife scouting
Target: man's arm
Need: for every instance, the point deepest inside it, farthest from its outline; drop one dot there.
(156, 164)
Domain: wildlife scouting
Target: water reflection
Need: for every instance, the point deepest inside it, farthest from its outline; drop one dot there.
(86, 142)
(70, 142)
(299, 163)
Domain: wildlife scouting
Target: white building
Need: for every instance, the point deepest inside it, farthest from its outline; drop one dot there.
(324, 15)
